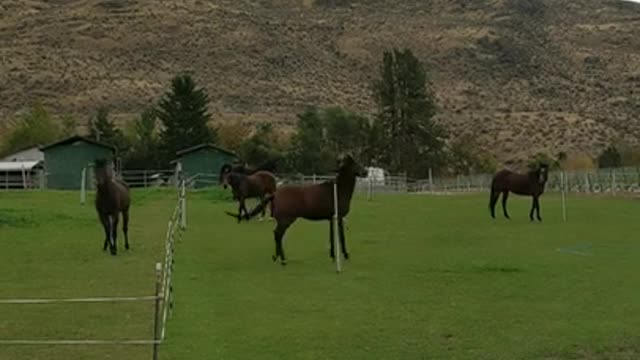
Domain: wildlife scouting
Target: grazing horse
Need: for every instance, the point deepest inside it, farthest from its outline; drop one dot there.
(313, 202)
(531, 184)
(112, 198)
(257, 185)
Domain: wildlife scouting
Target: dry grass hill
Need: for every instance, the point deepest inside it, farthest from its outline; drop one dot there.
(522, 76)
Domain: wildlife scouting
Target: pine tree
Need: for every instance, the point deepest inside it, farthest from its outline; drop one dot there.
(104, 130)
(184, 114)
(413, 142)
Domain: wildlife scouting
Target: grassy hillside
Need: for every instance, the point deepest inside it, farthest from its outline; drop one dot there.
(521, 75)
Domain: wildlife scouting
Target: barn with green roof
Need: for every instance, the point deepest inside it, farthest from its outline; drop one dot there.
(203, 159)
(64, 160)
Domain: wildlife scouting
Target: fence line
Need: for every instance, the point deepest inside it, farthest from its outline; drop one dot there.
(163, 297)
(78, 300)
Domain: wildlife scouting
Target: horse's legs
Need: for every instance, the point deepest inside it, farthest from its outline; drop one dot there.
(343, 244)
(240, 208)
(125, 228)
(492, 202)
(114, 230)
(104, 219)
(533, 207)
(505, 196)
(264, 210)
(332, 250)
(278, 235)
(537, 201)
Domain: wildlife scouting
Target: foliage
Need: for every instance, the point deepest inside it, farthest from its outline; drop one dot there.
(104, 130)
(406, 106)
(321, 135)
(309, 153)
(262, 146)
(143, 138)
(69, 125)
(231, 135)
(610, 158)
(577, 162)
(184, 114)
(466, 157)
(35, 127)
(543, 158)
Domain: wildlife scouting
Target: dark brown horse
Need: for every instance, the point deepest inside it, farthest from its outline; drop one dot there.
(112, 198)
(313, 202)
(257, 185)
(531, 184)
(246, 169)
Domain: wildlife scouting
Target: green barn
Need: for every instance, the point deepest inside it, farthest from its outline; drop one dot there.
(64, 160)
(203, 159)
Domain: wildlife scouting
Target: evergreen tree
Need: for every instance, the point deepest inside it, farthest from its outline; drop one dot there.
(413, 142)
(184, 114)
(143, 135)
(610, 158)
(104, 130)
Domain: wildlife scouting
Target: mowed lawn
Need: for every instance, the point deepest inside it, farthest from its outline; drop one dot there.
(51, 247)
(431, 277)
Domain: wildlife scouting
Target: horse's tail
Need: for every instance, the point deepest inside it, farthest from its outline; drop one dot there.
(257, 210)
(260, 208)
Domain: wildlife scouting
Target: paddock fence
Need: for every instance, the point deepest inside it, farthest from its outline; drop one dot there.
(599, 181)
(162, 299)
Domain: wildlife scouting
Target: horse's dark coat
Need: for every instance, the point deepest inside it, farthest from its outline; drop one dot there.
(313, 202)
(112, 198)
(531, 184)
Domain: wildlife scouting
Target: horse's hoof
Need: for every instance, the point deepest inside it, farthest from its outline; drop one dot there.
(114, 252)
(346, 256)
(126, 246)
(283, 262)
(274, 258)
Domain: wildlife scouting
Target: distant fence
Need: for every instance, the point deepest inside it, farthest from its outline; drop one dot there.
(26, 179)
(163, 297)
(608, 181)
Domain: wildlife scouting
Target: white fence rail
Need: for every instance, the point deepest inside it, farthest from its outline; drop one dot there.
(162, 299)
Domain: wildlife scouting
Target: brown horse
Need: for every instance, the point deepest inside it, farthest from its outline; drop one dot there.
(313, 202)
(269, 166)
(531, 184)
(257, 185)
(112, 198)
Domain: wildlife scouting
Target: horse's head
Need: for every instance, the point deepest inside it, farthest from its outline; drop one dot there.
(543, 173)
(103, 171)
(348, 166)
(224, 174)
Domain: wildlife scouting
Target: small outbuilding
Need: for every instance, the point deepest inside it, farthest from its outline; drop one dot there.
(65, 160)
(21, 175)
(204, 159)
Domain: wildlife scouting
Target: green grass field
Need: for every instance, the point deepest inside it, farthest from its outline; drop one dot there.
(431, 277)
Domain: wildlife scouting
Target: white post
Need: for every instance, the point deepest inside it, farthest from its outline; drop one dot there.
(183, 203)
(430, 180)
(335, 227)
(563, 189)
(370, 189)
(24, 177)
(613, 181)
(586, 182)
(83, 186)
